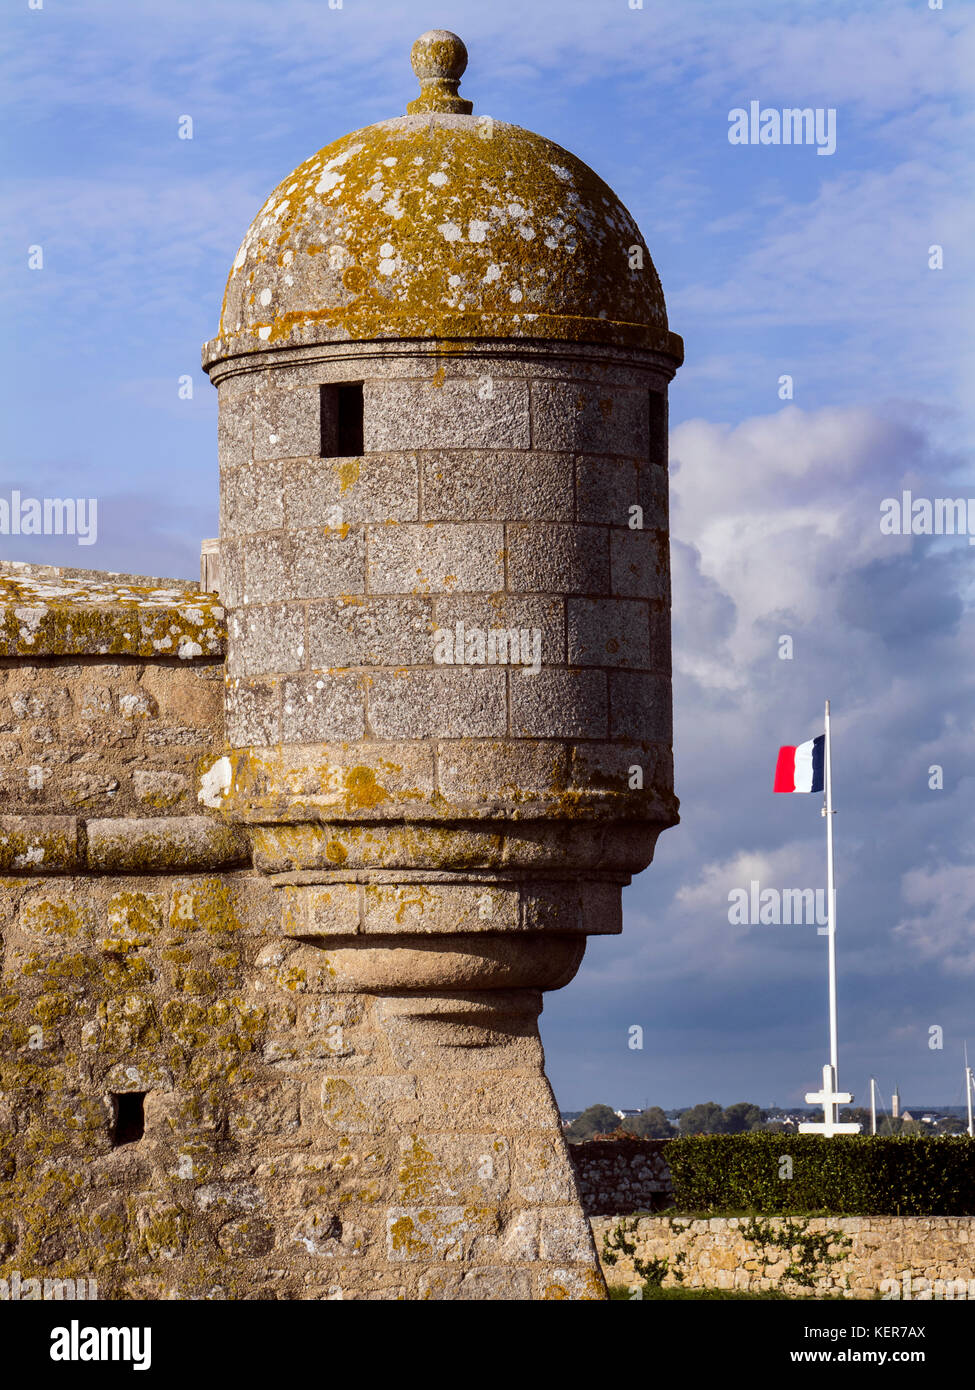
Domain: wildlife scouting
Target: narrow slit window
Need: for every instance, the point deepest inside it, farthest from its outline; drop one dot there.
(657, 451)
(350, 419)
(341, 419)
(130, 1117)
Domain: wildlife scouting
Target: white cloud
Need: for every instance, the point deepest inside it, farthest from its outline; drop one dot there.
(941, 927)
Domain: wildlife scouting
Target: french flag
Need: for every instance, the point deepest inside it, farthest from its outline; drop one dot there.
(800, 768)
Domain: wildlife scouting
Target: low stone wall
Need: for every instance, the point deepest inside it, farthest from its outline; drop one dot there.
(909, 1257)
(622, 1175)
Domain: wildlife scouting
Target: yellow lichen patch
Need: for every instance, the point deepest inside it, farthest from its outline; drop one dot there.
(362, 789)
(348, 473)
(418, 1171)
(44, 612)
(404, 1239)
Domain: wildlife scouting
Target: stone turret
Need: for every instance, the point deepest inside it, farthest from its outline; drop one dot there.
(272, 964)
(442, 366)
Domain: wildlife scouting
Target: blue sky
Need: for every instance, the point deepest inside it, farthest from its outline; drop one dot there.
(774, 260)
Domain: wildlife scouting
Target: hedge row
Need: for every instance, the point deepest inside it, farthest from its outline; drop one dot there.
(848, 1175)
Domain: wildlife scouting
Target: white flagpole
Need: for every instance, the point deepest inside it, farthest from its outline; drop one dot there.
(873, 1106)
(831, 902)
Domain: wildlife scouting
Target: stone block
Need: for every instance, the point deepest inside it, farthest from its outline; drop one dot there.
(329, 492)
(266, 639)
(590, 419)
(253, 712)
(497, 486)
(452, 413)
(654, 497)
(327, 561)
(532, 613)
(657, 444)
(251, 499)
(542, 1172)
(287, 423)
(560, 704)
(449, 702)
(564, 1235)
(436, 558)
(315, 910)
(609, 767)
(660, 645)
(235, 423)
(370, 632)
(231, 585)
(608, 632)
(558, 559)
(426, 1233)
(438, 908)
(266, 569)
(640, 564)
(160, 790)
(499, 1283)
(485, 771)
(606, 488)
(150, 844)
(641, 707)
(322, 708)
(355, 777)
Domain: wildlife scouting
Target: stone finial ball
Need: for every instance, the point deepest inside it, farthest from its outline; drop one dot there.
(439, 54)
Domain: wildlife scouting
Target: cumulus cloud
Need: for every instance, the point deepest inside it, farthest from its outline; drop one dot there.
(776, 531)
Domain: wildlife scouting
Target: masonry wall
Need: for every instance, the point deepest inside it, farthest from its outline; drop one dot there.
(298, 1137)
(912, 1253)
(622, 1175)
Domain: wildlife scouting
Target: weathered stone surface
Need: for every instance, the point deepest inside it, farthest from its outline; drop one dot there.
(437, 558)
(562, 704)
(161, 844)
(487, 486)
(448, 702)
(370, 632)
(558, 559)
(408, 415)
(893, 1257)
(330, 492)
(608, 632)
(276, 932)
(48, 611)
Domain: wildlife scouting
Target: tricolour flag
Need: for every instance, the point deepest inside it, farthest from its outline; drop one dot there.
(800, 768)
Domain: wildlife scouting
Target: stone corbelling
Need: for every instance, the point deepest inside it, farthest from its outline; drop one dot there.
(49, 612)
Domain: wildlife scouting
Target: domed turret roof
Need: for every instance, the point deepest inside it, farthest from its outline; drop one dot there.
(441, 224)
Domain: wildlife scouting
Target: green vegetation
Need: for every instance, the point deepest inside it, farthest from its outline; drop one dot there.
(709, 1118)
(598, 1119)
(652, 1123)
(847, 1175)
(651, 1272)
